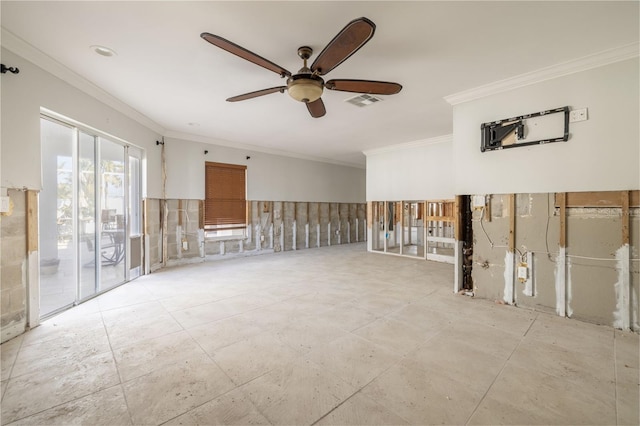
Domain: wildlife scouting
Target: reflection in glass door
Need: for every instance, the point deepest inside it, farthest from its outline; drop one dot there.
(112, 217)
(56, 206)
(87, 270)
(82, 215)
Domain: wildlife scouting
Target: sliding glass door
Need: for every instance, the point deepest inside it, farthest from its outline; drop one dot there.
(86, 204)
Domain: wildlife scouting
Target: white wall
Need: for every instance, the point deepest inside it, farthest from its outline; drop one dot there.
(602, 154)
(417, 171)
(25, 93)
(269, 177)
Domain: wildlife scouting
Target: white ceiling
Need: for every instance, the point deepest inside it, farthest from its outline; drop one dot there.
(164, 70)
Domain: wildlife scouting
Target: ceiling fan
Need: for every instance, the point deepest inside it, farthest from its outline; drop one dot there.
(307, 85)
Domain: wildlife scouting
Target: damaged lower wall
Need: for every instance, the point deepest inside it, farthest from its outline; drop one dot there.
(174, 232)
(13, 264)
(593, 282)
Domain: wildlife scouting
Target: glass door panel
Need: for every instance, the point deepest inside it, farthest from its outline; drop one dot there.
(112, 240)
(135, 215)
(56, 218)
(87, 271)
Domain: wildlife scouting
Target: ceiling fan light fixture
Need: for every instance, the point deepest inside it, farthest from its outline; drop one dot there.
(305, 88)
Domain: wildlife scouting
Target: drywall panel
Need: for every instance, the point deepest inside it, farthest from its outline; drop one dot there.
(417, 171)
(602, 153)
(269, 177)
(33, 88)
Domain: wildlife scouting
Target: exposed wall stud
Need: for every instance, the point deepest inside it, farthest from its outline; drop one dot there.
(33, 260)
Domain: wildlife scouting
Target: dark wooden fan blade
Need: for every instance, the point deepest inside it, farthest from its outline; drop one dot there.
(364, 86)
(346, 43)
(244, 53)
(316, 108)
(257, 93)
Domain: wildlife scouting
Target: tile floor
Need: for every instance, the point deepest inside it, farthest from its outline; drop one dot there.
(324, 336)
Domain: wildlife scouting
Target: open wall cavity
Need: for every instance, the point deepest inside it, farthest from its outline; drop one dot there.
(420, 229)
(575, 254)
(175, 232)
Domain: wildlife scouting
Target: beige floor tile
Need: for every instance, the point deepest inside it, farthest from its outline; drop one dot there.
(218, 334)
(154, 354)
(132, 294)
(296, 394)
(52, 355)
(35, 392)
(487, 339)
(275, 317)
(68, 326)
(190, 299)
(171, 391)
(423, 397)
(247, 359)
(233, 408)
(354, 359)
(123, 334)
(349, 316)
(304, 331)
(306, 334)
(628, 404)
(380, 303)
(425, 318)
(209, 312)
(361, 410)
(588, 371)
(106, 407)
(523, 396)
(504, 317)
(393, 335)
(457, 360)
(8, 353)
(627, 355)
(132, 313)
(574, 335)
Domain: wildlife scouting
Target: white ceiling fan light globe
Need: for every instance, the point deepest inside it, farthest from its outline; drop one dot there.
(305, 89)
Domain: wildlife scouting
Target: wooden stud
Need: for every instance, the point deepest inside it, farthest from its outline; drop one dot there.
(625, 217)
(487, 209)
(200, 214)
(599, 199)
(32, 221)
(180, 213)
(512, 222)
(458, 218)
(562, 198)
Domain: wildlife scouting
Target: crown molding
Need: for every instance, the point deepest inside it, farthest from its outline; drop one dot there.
(235, 145)
(21, 48)
(409, 145)
(606, 57)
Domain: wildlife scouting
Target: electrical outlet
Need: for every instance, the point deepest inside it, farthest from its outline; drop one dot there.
(4, 204)
(578, 115)
(185, 245)
(478, 202)
(262, 238)
(523, 272)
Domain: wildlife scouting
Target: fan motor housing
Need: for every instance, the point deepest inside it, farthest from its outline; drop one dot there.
(305, 87)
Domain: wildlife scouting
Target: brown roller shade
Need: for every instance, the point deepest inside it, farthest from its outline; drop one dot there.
(225, 199)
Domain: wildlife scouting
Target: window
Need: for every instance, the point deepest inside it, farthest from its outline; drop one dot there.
(225, 206)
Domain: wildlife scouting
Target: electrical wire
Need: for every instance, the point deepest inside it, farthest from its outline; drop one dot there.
(482, 226)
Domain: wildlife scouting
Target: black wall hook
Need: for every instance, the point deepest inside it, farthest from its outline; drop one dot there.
(4, 69)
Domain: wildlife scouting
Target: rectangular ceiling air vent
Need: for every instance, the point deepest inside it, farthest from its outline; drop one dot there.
(363, 100)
